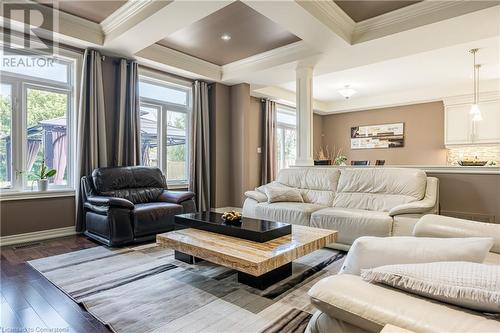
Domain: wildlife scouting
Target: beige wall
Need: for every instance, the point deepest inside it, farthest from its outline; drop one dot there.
(23, 216)
(469, 196)
(317, 133)
(220, 144)
(424, 134)
(236, 121)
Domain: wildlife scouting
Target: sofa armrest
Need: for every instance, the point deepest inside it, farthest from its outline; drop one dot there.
(110, 202)
(256, 195)
(176, 196)
(372, 306)
(426, 205)
(445, 227)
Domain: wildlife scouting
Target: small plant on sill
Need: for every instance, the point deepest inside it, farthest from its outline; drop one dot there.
(43, 176)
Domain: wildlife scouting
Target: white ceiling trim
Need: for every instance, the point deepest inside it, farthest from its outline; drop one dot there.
(330, 14)
(123, 14)
(163, 58)
(413, 16)
(278, 56)
(71, 29)
(157, 20)
(466, 99)
(285, 97)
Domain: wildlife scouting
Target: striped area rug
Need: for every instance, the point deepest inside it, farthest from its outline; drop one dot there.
(144, 289)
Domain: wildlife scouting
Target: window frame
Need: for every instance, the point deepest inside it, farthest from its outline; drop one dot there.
(164, 107)
(20, 84)
(279, 125)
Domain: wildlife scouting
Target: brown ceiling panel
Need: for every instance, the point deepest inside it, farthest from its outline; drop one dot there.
(95, 11)
(251, 33)
(363, 10)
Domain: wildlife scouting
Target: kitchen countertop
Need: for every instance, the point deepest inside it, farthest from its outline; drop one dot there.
(481, 170)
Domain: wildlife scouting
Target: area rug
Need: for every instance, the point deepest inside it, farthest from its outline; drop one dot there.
(144, 289)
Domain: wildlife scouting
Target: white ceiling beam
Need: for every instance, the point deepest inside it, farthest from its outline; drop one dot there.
(286, 97)
(289, 53)
(166, 59)
(144, 22)
(299, 21)
(414, 16)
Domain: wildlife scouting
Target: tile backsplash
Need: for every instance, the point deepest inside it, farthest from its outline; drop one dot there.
(483, 153)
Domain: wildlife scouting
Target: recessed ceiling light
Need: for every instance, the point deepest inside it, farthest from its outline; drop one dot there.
(347, 92)
(225, 37)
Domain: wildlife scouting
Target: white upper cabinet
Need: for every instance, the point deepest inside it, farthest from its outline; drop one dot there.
(461, 130)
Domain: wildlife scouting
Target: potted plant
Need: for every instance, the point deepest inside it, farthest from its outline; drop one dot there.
(43, 177)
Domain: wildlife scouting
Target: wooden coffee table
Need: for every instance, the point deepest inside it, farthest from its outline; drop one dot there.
(258, 264)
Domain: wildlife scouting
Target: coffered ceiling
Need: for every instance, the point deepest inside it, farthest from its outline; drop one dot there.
(390, 51)
(363, 10)
(250, 33)
(95, 11)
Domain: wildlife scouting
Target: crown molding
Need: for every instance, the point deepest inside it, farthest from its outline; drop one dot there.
(123, 14)
(278, 56)
(413, 16)
(69, 29)
(164, 58)
(330, 14)
(485, 96)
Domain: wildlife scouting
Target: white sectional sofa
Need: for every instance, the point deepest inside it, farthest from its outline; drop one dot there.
(354, 201)
(348, 304)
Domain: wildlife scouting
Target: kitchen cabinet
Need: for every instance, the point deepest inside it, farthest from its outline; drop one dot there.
(461, 130)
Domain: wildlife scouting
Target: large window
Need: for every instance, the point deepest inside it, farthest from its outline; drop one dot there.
(285, 136)
(165, 127)
(36, 116)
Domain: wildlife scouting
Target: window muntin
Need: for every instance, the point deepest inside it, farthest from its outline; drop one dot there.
(165, 128)
(5, 136)
(42, 104)
(286, 140)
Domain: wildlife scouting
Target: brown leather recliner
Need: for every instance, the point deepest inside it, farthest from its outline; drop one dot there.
(130, 204)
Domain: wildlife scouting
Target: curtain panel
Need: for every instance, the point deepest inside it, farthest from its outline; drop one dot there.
(199, 180)
(268, 161)
(91, 129)
(126, 145)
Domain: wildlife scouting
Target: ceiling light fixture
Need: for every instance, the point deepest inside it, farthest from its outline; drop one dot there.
(347, 92)
(475, 111)
(225, 37)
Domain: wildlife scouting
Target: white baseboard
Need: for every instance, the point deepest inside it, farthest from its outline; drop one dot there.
(37, 235)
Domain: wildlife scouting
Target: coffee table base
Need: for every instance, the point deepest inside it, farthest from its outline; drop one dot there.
(258, 282)
(267, 279)
(187, 258)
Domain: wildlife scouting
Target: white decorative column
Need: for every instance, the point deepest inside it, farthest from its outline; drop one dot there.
(304, 116)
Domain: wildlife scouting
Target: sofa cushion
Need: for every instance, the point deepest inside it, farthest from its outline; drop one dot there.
(370, 252)
(371, 307)
(155, 217)
(352, 223)
(282, 194)
(317, 185)
(287, 212)
(466, 284)
(379, 189)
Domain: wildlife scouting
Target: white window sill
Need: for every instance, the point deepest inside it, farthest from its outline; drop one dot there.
(178, 186)
(28, 194)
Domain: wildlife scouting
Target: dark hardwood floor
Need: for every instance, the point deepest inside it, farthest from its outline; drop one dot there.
(30, 303)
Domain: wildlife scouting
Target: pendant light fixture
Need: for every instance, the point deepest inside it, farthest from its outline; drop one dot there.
(475, 111)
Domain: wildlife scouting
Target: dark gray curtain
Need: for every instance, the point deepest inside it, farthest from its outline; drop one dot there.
(199, 181)
(91, 128)
(268, 161)
(126, 139)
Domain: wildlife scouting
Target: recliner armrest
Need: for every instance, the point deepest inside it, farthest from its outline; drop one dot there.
(110, 202)
(175, 196)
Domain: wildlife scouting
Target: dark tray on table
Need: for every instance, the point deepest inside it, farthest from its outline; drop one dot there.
(249, 229)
